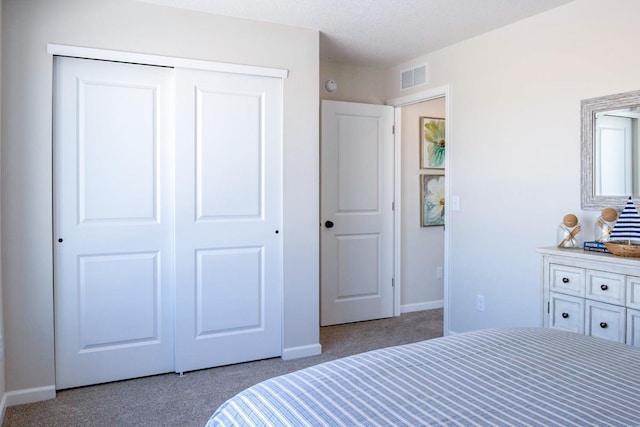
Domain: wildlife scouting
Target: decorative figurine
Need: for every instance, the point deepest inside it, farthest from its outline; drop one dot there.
(625, 236)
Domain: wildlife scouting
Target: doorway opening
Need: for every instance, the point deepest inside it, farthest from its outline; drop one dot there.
(413, 241)
(422, 193)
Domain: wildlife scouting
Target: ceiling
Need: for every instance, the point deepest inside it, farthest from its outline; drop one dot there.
(378, 33)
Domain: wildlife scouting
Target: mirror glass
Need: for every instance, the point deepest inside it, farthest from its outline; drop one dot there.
(610, 150)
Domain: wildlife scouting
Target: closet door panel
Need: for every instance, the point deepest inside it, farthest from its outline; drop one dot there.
(229, 154)
(228, 218)
(113, 221)
(238, 306)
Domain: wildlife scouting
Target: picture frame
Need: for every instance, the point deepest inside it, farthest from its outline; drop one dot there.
(432, 142)
(432, 202)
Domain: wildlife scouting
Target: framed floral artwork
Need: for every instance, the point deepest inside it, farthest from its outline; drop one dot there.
(432, 142)
(431, 200)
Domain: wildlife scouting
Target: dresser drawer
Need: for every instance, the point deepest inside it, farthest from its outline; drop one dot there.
(567, 279)
(606, 287)
(606, 321)
(633, 327)
(566, 312)
(633, 292)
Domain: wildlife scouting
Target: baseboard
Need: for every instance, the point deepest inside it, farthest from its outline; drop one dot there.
(302, 351)
(429, 305)
(3, 408)
(29, 395)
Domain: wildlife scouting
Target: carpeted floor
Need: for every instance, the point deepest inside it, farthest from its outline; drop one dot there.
(170, 400)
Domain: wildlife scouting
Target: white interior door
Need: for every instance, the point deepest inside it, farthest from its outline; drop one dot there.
(113, 221)
(229, 246)
(356, 212)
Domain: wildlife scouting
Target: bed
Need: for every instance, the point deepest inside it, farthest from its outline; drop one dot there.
(502, 377)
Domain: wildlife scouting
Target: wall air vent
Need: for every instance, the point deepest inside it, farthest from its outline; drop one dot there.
(414, 77)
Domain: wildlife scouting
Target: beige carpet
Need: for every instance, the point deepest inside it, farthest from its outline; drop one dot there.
(170, 400)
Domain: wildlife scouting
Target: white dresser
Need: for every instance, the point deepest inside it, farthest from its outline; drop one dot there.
(591, 293)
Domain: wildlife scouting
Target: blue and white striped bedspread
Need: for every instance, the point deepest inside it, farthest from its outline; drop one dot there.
(500, 377)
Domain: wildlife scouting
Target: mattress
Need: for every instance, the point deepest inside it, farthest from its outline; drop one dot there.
(501, 377)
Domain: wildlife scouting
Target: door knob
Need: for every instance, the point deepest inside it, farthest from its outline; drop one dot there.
(328, 224)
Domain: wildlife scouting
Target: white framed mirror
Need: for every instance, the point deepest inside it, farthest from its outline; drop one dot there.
(610, 150)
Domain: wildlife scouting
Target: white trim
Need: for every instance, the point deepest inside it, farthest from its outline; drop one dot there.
(302, 351)
(397, 219)
(421, 96)
(415, 98)
(29, 395)
(421, 306)
(447, 214)
(164, 61)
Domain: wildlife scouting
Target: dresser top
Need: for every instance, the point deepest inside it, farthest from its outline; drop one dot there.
(588, 255)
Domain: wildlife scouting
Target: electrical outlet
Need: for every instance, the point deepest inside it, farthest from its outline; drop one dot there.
(439, 273)
(480, 303)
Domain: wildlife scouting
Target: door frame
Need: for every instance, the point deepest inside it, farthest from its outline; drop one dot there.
(163, 61)
(398, 103)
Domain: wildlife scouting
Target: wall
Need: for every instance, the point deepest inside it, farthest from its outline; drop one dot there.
(26, 150)
(514, 144)
(355, 83)
(422, 247)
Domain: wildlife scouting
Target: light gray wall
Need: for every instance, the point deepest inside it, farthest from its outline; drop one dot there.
(355, 83)
(27, 152)
(514, 145)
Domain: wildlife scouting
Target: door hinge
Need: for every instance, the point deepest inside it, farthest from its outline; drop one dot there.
(393, 206)
(548, 307)
(393, 129)
(393, 283)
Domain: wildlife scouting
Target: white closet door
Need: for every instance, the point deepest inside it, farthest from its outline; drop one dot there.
(228, 220)
(113, 221)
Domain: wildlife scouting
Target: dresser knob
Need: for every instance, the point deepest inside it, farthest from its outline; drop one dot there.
(565, 280)
(603, 325)
(604, 287)
(565, 315)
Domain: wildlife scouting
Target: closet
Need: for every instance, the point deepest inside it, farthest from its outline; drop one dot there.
(167, 219)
